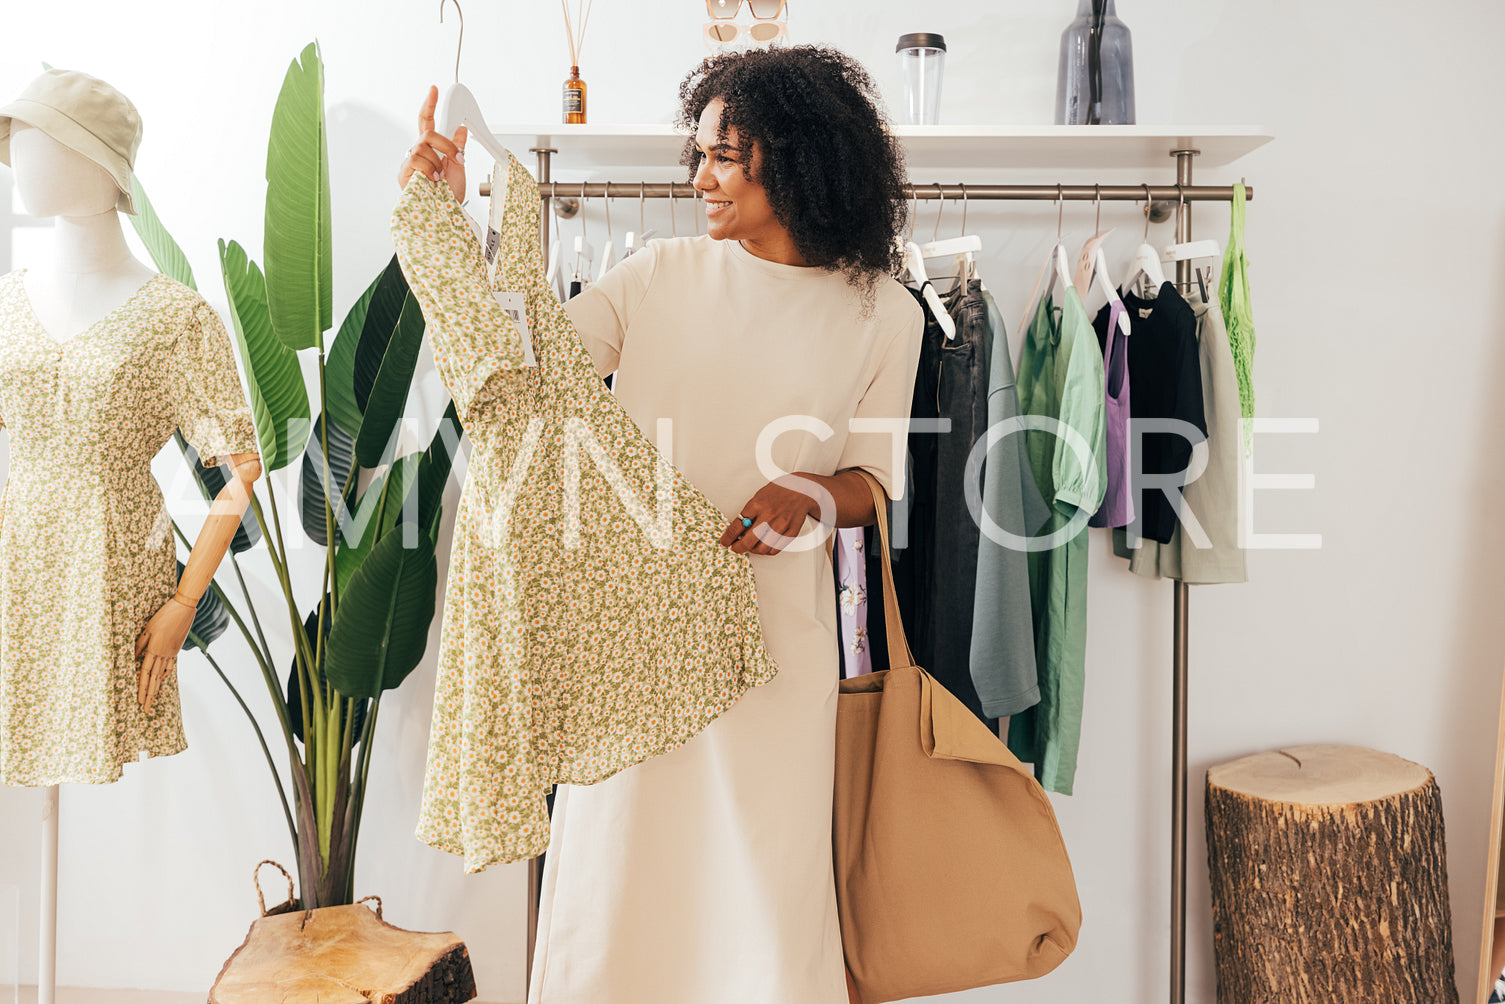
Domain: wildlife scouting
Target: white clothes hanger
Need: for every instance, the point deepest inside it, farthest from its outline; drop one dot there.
(635, 240)
(457, 106)
(608, 252)
(914, 261)
(1146, 261)
(962, 247)
(1056, 265)
(1092, 266)
(1193, 251)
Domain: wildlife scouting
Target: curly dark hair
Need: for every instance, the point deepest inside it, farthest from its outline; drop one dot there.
(834, 175)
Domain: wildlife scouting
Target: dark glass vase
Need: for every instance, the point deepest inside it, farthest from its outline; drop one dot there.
(1095, 83)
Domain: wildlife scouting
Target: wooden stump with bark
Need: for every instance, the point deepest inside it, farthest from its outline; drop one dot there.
(343, 955)
(1329, 880)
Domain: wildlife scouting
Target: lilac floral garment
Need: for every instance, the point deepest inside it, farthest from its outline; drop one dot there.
(851, 601)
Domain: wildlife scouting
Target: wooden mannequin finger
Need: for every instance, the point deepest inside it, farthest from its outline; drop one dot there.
(141, 680)
(141, 640)
(158, 675)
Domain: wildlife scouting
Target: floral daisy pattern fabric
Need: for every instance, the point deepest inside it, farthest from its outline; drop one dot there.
(592, 618)
(87, 554)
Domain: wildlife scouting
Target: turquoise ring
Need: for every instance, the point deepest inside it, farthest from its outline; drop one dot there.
(746, 521)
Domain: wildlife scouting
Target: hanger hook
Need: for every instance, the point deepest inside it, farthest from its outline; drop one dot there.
(940, 194)
(1060, 212)
(964, 208)
(1147, 202)
(461, 42)
(642, 200)
(607, 203)
(1097, 200)
(914, 207)
(1180, 208)
(673, 222)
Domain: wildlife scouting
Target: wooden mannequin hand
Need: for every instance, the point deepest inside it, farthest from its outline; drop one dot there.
(435, 155)
(160, 640)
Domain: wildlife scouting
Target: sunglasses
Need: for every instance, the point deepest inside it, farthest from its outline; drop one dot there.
(762, 32)
(763, 10)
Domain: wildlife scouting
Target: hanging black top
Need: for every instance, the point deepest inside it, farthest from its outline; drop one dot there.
(1165, 381)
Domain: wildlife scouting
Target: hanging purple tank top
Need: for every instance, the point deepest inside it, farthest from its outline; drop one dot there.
(1118, 501)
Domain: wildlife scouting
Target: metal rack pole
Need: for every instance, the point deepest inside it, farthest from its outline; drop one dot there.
(1178, 684)
(548, 189)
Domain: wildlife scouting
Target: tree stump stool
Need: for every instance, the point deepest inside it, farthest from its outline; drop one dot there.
(343, 955)
(1329, 880)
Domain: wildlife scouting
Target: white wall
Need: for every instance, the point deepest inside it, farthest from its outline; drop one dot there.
(1388, 636)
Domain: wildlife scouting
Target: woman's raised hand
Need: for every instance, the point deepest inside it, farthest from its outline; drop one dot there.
(435, 156)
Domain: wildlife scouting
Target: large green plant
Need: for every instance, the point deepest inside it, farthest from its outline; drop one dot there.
(364, 629)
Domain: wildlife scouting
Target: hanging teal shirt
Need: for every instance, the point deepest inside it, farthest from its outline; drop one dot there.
(1061, 378)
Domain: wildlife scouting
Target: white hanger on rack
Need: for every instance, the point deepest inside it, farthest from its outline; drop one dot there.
(634, 242)
(458, 106)
(1055, 264)
(914, 263)
(551, 274)
(1146, 260)
(585, 252)
(1193, 251)
(608, 253)
(1092, 265)
(961, 247)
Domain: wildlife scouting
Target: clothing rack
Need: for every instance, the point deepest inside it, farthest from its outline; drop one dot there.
(1183, 193)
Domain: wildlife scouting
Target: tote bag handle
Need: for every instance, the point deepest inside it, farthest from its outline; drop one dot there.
(899, 655)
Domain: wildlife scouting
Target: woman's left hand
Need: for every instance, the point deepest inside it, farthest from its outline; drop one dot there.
(777, 511)
(157, 647)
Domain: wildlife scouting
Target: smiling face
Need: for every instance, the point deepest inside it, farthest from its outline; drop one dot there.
(736, 208)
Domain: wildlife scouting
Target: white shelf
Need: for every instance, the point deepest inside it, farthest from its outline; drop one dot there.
(1144, 147)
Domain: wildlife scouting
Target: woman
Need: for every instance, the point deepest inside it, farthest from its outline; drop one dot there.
(704, 875)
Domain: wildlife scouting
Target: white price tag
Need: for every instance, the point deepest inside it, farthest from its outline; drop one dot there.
(517, 309)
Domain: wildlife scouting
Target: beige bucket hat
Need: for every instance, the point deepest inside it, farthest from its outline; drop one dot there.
(86, 115)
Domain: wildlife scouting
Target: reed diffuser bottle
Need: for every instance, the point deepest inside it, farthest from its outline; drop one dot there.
(574, 97)
(574, 87)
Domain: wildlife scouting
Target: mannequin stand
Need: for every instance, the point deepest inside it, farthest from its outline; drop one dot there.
(47, 928)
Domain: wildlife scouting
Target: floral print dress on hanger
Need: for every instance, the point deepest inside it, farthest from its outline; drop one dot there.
(87, 553)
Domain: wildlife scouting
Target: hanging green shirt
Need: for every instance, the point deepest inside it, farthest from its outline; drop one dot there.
(1061, 378)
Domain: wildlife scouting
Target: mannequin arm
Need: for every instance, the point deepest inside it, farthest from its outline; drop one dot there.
(164, 634)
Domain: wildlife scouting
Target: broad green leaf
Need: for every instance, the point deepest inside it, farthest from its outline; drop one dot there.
(296, 240)
(379, 508)
(339, 365)
(212, 481)
(165, 252)
(382, 314)
(311, 499)
(279, 397)
(433, 473)
(389, 395)
(381, 629)
(210, 618)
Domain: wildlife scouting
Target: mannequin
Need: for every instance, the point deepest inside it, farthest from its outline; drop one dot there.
(91, 273)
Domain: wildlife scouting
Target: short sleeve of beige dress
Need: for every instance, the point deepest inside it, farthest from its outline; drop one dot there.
(87, 552)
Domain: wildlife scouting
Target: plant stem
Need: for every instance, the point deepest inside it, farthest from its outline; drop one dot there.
(287, 812)
(358, 790)
(244, 591)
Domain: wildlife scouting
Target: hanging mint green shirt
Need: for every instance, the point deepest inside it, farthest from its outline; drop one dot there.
(1061, 378)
